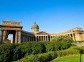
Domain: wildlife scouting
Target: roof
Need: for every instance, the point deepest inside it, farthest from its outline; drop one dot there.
(31, 33)
(42, 33)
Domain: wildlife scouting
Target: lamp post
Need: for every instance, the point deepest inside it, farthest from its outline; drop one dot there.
(80, 55)
(80, 52)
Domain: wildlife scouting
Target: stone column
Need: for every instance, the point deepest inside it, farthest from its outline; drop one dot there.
(14, 38)
(74, 37)
(39, 38)
(4, 35)
(19, 36)
(35, 38)
(16, 34)
(44, 37)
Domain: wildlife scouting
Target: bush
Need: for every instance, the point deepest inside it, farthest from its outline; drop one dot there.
(46, 57)
(17, 54)
(63, 41)
(1, 43)
(37, 47)
(6, 52)
(49, 46)
(12, 52)
(36, 58)
(81, 49)
(30, 58)
(67, 52)
(25, 48)
(62, 38)
(31, 48)
(52, 46)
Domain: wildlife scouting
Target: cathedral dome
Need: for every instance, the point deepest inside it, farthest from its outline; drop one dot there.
(35, 26)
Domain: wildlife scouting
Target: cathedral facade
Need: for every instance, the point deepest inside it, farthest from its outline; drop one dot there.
(19, 35)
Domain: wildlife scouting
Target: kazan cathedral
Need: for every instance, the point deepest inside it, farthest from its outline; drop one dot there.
(76, 33)
(19, 35)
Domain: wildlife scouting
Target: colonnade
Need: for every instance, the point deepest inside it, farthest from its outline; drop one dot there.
(42, 38)
(26, 38)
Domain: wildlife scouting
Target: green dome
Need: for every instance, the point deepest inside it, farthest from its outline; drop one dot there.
(35, 26)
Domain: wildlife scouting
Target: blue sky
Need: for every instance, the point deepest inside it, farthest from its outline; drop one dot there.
(50, 15)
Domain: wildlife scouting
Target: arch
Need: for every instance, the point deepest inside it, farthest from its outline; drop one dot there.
(14, 28)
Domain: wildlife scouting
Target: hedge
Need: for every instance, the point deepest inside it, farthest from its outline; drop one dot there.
(46, 57)
(12, 52)
(7, 52)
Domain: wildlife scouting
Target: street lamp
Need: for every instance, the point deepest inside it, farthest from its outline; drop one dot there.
(80, 55)
(81, 51)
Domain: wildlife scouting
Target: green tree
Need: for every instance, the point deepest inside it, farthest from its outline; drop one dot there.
(62, 38)
(63, 41)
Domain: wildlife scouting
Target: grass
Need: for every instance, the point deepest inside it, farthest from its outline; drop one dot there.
(74, 58)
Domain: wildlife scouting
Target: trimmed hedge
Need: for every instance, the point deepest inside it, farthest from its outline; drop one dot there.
(7, 52)
(12, 52)
(46, 57)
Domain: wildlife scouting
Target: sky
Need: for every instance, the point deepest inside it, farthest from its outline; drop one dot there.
(51, 15)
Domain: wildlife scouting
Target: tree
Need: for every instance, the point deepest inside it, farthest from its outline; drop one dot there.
(62, 38)
(63, 41)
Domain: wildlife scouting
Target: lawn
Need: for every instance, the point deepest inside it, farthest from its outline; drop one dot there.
(74, 58)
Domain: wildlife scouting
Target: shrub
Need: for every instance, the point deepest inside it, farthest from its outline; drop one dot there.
(62, 38)
(52, 46)
(12, 52)
(6, 52)
(63, 42)
(17, 54)
(37, 47)
(46, 57)
(67, 52)
(36, 58)
(49, 46)
(30, 58)
(1, 43)
(25, 48)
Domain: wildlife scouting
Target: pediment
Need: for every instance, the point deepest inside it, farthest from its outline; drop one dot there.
(42, 33)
